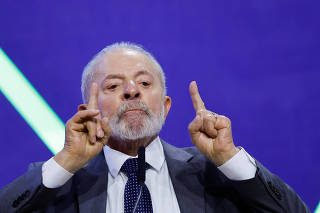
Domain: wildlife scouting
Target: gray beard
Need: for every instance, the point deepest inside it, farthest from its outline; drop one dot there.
(134, 127)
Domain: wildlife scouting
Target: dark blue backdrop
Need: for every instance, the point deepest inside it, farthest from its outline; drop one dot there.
(256, 62)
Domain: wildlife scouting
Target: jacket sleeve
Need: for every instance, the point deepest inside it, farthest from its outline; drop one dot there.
(268, 193)
(26, 193)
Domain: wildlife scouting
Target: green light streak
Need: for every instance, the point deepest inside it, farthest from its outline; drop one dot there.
(317, 209)
(30, 105)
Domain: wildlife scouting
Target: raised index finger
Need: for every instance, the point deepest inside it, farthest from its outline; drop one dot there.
(93, 101)
(195, 97)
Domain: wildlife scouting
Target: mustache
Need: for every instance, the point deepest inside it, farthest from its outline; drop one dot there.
(133, 105)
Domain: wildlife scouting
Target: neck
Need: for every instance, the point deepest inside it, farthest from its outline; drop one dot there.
(129, 147)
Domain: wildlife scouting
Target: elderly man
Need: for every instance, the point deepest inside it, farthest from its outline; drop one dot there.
(125, 106)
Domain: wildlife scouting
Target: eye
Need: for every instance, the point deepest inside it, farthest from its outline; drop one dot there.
(144, 83)
(113, 86)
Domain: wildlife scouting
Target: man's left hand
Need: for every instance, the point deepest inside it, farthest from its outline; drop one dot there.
(210, 132)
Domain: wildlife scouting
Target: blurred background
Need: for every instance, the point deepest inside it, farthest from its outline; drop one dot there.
(257, 62)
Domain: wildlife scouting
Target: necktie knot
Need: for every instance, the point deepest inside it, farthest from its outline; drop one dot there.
(130, 167)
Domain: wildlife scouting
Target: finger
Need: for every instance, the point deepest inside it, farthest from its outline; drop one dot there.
(79, 127)
(92, 129)
(195, 126)
(93, 101)
(105, 126)
(203, 113)
(100, 132)
(106, 129)
(195, 97)
(84, 115)
(208, 126)
(194, 130)
(222, 122)
(93, 126)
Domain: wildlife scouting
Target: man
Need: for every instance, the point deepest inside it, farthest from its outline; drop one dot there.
(125, 106)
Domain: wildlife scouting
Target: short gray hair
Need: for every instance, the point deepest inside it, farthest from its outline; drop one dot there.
(87, 74)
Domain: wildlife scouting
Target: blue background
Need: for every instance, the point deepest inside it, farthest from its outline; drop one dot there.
(256, 62)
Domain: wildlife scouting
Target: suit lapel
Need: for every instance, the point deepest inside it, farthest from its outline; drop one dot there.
(91, 186)
(184, 174)
(91, 182)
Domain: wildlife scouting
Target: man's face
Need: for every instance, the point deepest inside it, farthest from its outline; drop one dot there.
(130, 94)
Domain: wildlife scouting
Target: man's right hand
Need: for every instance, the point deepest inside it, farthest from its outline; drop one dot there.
(85, 135)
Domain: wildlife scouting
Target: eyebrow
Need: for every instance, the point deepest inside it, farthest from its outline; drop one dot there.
(112, 76)
(121, 76)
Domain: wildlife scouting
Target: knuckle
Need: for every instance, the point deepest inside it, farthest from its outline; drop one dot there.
(81, 112)
(226, 121)
(69, 123)
(201, 111)
(211, 117)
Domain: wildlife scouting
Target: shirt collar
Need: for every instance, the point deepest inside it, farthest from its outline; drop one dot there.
(154, 157)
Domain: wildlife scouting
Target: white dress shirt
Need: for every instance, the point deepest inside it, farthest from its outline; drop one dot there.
(157, 180)
(240, 167)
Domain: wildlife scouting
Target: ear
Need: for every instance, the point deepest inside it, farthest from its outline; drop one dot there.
(82, 107)
(167, 105)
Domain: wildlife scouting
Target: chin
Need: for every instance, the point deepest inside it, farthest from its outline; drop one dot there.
(135, 126)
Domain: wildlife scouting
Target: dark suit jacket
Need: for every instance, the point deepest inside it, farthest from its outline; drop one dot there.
(198, 184)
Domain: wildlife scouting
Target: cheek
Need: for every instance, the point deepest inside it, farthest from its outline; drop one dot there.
(155, 101)
(108, 106)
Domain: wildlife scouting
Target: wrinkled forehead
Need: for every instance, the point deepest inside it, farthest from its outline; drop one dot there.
(124, 61)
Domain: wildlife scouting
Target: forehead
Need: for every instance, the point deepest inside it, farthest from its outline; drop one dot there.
(124, 61)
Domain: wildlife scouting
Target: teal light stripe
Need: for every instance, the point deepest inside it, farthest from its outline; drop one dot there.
(31, 106)
(317, 208)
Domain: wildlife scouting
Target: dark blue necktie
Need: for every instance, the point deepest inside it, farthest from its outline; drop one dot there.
(132, 190)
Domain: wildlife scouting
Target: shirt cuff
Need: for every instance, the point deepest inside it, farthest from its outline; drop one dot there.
(240, 167)
(53, 175)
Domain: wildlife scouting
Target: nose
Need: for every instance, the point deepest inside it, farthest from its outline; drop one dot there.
(131, 91)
